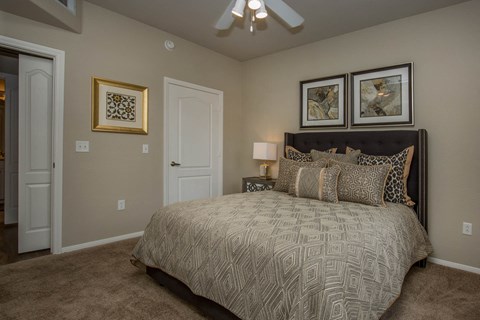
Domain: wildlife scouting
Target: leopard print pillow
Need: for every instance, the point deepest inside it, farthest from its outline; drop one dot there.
(396, 187)
(294, 154)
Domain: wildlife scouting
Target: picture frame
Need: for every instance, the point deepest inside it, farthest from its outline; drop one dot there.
(323, 102)
(119, 107)
(383, 96)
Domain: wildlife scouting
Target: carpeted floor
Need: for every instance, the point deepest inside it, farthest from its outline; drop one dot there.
(100, 283)
(9, 244)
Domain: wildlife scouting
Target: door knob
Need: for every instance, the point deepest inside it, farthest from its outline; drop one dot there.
(174, 164)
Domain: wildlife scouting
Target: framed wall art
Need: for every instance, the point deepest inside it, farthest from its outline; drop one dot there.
(382, 97)
(323, 102)
(119, 107)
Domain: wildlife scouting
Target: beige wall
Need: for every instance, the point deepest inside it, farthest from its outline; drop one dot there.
(262, 102)
(115, 47)
(444, 46)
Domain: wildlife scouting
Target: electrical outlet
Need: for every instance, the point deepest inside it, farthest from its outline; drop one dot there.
(467, 228)
(145, 148)
(82, 146)
(121, 205)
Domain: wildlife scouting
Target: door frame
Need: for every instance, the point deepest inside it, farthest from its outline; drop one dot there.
(58, 57)
(166, 82)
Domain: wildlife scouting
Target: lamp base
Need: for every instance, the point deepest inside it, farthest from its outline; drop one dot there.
(264, 172)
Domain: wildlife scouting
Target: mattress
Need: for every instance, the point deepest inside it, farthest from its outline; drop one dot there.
(268, 255)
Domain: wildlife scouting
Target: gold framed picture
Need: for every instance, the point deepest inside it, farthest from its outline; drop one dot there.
(119, 107)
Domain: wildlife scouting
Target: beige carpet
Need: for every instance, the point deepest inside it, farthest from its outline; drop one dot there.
(100, 283)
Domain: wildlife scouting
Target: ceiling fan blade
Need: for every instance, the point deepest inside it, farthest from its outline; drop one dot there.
(285, 12)
(227, 18)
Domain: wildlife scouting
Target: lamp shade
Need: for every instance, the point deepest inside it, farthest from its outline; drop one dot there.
(264, 151)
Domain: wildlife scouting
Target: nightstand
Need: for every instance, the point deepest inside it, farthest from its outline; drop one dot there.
(252, 184)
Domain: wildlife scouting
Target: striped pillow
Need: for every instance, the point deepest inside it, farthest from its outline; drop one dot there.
(285, 169)
(317, 183)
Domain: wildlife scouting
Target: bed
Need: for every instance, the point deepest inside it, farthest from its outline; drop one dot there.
(271, 255)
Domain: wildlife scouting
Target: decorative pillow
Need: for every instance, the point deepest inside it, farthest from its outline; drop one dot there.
(362, 184)
(349, 150)
(348, 158)
(396, 187)
(285, 168)
(317, 183)
(294, 171)
(294, 154)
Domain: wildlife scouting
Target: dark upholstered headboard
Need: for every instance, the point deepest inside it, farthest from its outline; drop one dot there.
(376, 143)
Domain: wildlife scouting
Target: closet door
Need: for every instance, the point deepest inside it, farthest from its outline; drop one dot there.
(35, 153)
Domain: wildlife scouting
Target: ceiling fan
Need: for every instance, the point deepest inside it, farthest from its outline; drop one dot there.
(258, 11)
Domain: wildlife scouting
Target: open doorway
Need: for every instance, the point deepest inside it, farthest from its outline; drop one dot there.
(2, 143)
(9, 136)
(28, 157)
(31, 119)
(8, 94)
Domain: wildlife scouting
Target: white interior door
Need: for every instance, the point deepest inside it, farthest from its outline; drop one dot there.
(11, 149)
(194, 137)
(35, 152)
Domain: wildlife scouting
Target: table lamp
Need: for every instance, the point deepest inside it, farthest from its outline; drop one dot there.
(266, 152)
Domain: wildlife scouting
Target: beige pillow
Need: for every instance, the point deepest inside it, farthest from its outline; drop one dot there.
(317, 183)
(349, 158)
(285, 168)
(349, 150)
(362, 184)
(294, 154)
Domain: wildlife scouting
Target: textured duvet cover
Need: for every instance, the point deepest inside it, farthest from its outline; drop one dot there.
(268, 255)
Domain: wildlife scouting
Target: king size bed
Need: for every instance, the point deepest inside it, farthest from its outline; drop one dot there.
(290, 253)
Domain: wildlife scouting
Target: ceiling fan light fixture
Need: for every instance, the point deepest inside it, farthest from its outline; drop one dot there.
(261, 13)
(239, 8)
(254, 4)
(257, 10)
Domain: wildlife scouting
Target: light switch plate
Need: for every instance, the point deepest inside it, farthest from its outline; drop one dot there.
(82, 146)
(145, 148)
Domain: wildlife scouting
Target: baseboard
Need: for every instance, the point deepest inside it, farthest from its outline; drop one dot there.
(100, 242)
(454, 265)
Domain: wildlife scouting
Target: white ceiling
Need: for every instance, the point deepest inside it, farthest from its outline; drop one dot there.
(194, 20)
